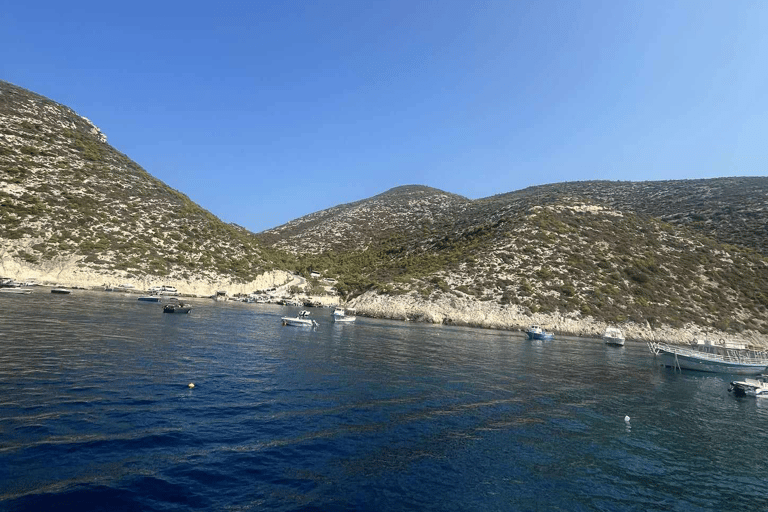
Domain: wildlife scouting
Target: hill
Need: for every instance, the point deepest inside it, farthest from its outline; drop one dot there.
(579, 255)
(730, 210)
(73, 209)
(354, 226)
(665, 260)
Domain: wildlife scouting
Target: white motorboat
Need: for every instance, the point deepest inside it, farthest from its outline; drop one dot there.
(613, 336)
(300, 320)
(344, 315)
(750, 387)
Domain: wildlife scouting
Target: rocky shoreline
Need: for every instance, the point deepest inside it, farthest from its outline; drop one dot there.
(462, 311)
(446, 309)
(68, 274)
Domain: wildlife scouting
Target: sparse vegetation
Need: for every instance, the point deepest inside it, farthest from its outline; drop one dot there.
(649, 252)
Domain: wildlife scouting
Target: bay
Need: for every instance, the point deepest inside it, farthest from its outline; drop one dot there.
(96, 414)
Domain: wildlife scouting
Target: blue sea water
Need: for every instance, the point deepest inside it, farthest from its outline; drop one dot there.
(96, 414)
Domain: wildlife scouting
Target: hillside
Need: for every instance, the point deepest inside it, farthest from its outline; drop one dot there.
(730, 210)
(598, 250)
(71, 205)
(354, 226)
(666, 260)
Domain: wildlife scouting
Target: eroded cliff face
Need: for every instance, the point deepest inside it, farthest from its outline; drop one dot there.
(473, 313)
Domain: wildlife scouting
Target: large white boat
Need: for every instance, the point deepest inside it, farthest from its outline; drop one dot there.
(300, 320)
(613, 336)
(344, 314)
(708, 356)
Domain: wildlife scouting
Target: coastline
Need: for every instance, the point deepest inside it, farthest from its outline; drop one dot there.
(445, 309)
(463, 311)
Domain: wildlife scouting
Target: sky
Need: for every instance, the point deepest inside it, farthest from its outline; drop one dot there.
(264, 111)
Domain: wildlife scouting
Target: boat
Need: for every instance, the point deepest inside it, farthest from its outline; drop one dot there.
(16, 290)
(62, 291)
(536, 332)
(344, 315)
(177, 307)
(8, 282)
(299, 320)
(162, 290)
(708, 356)
(151, 298)
(613, 336)
(750, 387)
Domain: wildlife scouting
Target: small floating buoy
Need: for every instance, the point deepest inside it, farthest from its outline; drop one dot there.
(626, 418)
(192, 384)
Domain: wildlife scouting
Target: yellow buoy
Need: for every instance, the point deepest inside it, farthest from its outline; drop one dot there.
(191, 385)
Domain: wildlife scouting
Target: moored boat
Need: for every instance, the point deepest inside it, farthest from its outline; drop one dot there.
(62, 291)
(750, 387)
(16, 290)
(536, 332)
(150, 298)
(613, 336)
(711, 357)
(344, 315)
(299, 320)
(177, 307)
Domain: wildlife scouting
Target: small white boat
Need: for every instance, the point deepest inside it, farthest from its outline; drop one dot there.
(613, 336)
(344, 315)
(750, 387)
(62, 291)
(299, 320)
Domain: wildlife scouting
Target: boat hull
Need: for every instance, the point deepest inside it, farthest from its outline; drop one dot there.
(693, 363)
(686, 360)
(16, 291)
(613, 341)
(177, 309)
(298, 322)
(541, 336)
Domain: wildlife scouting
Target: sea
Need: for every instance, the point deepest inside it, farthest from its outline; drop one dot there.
(97, 413)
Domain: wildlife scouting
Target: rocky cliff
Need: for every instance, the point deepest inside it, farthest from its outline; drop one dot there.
(75, 211)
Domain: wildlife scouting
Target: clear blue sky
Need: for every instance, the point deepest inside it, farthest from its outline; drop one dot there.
(264, 111)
